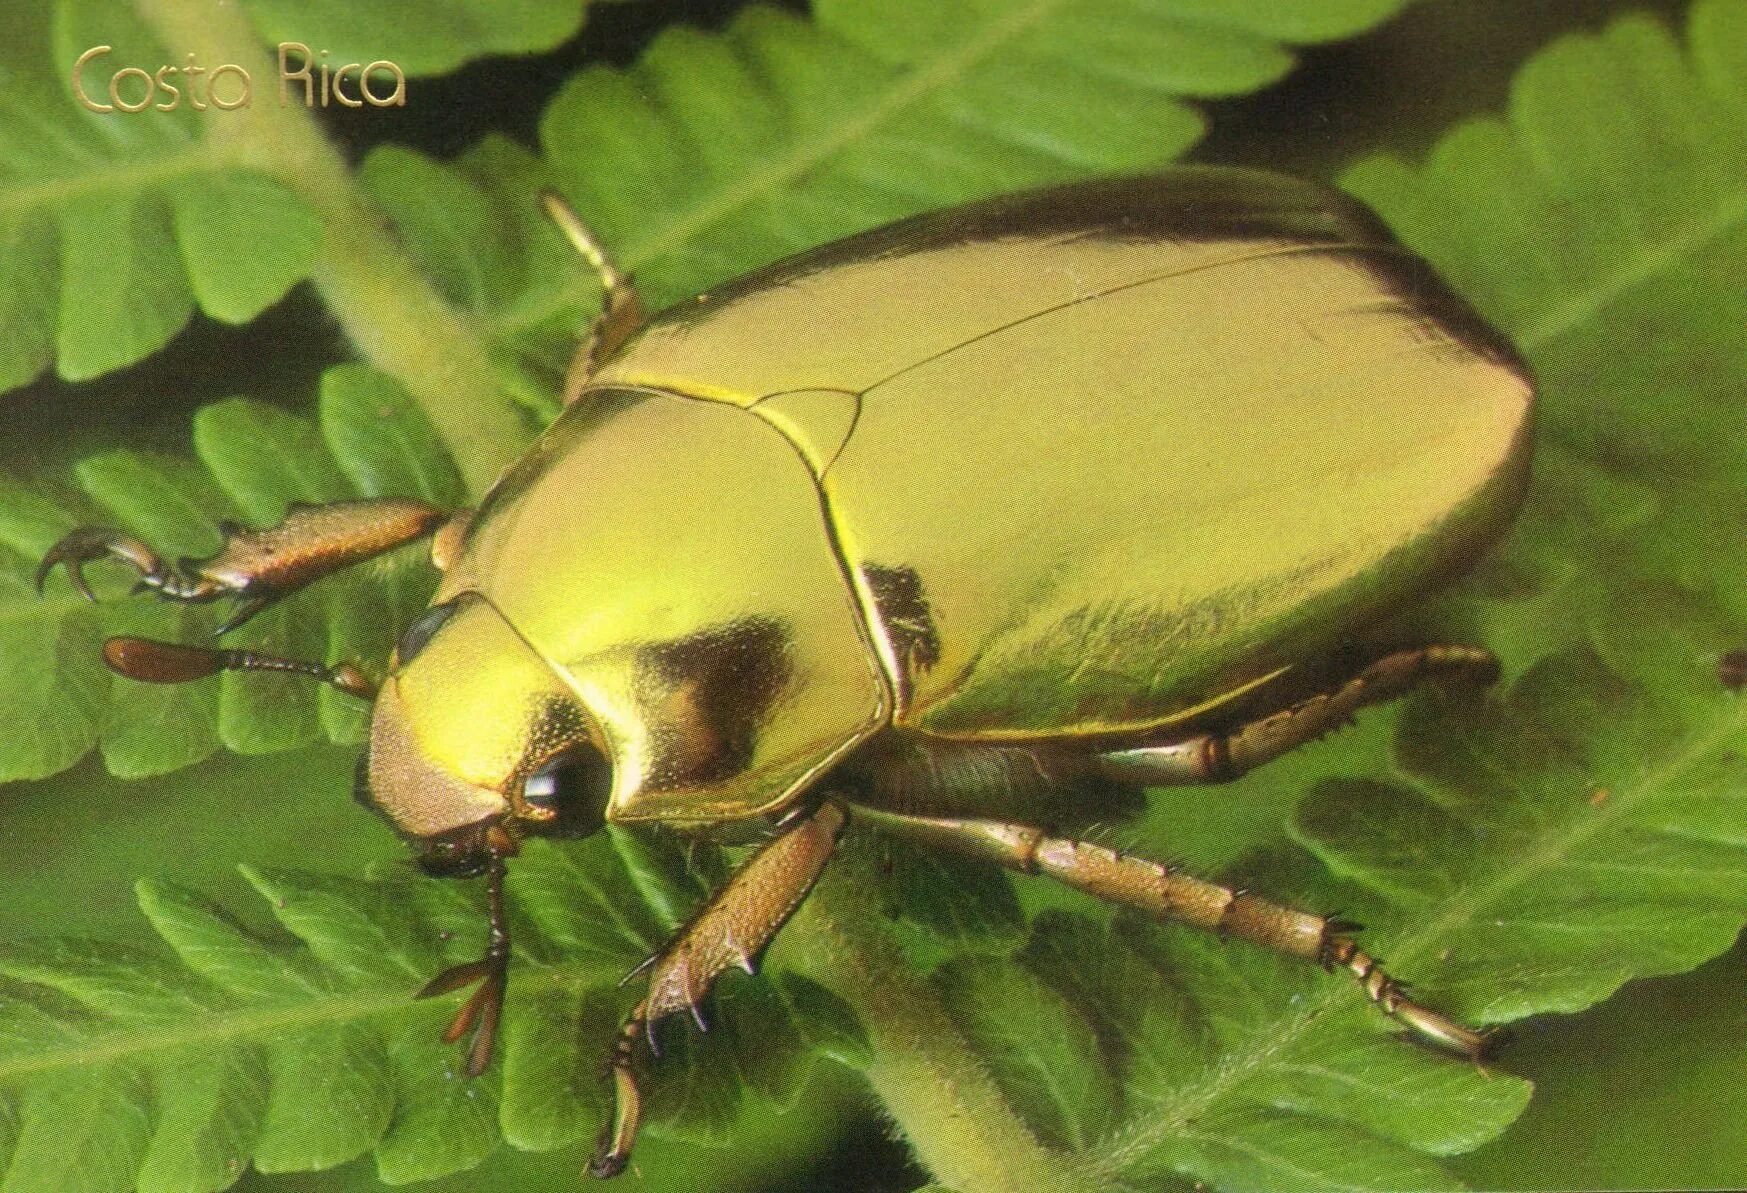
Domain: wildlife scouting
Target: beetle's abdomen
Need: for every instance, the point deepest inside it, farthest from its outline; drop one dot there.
(1123, 512)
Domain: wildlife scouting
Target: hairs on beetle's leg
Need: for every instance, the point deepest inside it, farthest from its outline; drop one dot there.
(1222, 757)
(1164, 892)
(622, 309)
(730, 931)
(256, 567)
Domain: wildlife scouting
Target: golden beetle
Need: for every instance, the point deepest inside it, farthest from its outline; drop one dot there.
(1085, 482)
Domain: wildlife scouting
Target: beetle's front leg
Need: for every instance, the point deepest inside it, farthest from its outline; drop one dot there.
(1221, 757)
(257, 567)
(732, 929)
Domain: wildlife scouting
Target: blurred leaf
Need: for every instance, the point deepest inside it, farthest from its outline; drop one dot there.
(113, 228)
(419, 36)
(1662, 1057)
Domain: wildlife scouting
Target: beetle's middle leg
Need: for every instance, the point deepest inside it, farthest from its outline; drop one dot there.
(1163, 891)
(1221, 757)
(730, 931)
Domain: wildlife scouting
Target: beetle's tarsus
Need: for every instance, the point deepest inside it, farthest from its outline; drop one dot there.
(613, 1149)
(1146, 886)
(87, 544)
(727, 932)
(1338, 951)
(257, 567)
(1223, 757)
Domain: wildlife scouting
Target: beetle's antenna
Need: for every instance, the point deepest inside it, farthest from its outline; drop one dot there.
(150, 661)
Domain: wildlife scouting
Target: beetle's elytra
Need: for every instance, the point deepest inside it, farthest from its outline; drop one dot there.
(1087, 482)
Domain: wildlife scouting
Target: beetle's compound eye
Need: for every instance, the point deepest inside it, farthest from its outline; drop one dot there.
(417, 635)
(575, 784)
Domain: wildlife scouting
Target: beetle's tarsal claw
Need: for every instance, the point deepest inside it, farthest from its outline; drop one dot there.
(87, 543)
(613, 1149)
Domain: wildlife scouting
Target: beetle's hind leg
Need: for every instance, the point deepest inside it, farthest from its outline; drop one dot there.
(1221, 757)
(730, 931)
(255, 567)
(1164, 892)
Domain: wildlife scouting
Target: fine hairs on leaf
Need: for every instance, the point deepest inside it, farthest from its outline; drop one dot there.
(1521, 853)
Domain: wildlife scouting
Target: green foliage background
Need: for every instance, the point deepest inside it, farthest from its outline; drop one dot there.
(209, 316)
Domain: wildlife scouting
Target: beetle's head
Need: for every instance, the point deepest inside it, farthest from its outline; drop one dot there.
(477, 741)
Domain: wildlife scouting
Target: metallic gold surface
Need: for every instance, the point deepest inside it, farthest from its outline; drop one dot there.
(1165, 494)
(854, 312)
(453, 729)
(1092, 461)
(1126, 450)
(672, 559)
